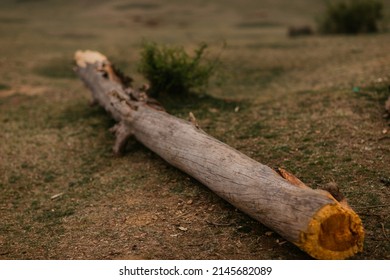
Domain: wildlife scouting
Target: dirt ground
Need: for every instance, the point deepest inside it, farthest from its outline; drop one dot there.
(313, 105)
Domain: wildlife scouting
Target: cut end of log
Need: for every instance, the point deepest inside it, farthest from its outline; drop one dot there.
(82, 58)
(335, 232)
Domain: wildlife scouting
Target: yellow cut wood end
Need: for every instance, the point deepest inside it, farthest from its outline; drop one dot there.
(335, 232)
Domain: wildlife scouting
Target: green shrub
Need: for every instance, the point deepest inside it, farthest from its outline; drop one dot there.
(171, 70)
(4, 87)
(351, 16)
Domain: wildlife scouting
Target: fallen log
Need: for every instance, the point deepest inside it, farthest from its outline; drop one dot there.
(314, 220)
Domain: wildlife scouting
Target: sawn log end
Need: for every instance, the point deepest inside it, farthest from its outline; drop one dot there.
(335, 232)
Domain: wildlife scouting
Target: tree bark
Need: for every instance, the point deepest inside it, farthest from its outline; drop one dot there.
(314, 220)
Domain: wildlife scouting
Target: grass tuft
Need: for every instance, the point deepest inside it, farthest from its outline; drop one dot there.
(4, 87)
(352, 16)
(173, 71)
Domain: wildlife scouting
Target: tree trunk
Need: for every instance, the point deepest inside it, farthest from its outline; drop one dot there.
(314, 220)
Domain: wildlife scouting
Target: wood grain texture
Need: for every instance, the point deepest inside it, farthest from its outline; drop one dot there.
(311, 219)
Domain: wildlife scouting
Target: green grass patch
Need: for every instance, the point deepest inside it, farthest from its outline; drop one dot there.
(35, 205)
(257, 129)
(373, 199)
(272, 135)
(351, 16)
(4, 87)
(261, 77)
(14, 178)
(201, 104)
(377, 92)
(58, 68)
(178, 188)
(76, 113)
(49, 176)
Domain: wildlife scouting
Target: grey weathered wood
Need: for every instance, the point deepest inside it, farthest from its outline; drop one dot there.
(254, 188)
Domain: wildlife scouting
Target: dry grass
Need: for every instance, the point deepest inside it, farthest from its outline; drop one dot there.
(296, 105)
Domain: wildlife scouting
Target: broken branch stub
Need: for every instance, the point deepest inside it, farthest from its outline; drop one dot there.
(311, 219)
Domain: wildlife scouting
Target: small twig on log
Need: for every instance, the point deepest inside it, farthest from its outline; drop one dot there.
(291, 178)
(192, 119)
